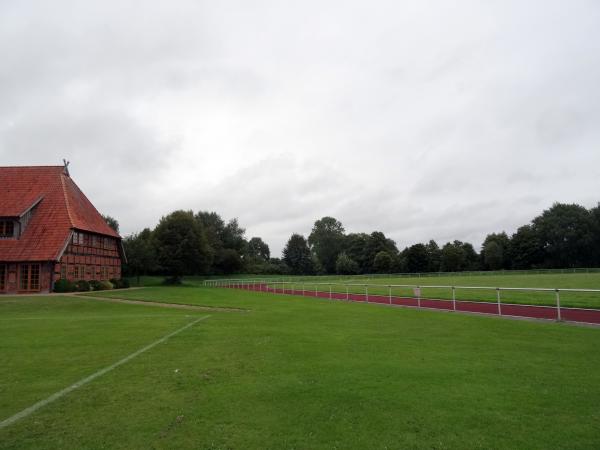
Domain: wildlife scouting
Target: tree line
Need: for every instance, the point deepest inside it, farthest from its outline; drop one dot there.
(184, 243)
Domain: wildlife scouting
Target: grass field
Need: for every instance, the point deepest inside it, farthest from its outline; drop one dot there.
(291, 373)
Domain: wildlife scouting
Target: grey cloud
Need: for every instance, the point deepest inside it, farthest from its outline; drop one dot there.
(422, 120)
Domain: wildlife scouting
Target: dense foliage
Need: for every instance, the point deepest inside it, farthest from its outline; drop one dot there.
(184, 243)
(563, 236)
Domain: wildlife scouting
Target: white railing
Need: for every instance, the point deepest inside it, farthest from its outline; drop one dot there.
(272, 286)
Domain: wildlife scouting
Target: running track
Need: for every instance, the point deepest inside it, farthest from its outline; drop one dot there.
(580, 315)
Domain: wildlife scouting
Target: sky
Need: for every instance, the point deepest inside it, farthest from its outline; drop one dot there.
(423, 119)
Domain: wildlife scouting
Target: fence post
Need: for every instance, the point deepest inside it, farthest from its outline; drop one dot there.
(558, 305)
(367, 292)
(453, 298)
(347, 293)
(302, 289)
(390, 293)
(316, 286)
(330, 292)
(419, 296)
(498, 297)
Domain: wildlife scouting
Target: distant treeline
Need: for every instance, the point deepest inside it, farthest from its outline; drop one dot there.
(184, 243)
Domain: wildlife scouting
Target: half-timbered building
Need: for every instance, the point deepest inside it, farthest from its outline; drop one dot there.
(49, 230)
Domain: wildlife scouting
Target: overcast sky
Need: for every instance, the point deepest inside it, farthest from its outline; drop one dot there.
(424, 119)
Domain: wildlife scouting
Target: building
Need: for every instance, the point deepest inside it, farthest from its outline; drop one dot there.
(49, 230)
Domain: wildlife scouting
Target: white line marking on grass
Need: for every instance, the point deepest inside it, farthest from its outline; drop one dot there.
(26, 412)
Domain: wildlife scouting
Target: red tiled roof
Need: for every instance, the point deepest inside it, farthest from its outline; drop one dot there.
(62, 207)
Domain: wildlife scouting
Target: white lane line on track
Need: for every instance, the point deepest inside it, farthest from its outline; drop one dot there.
(28, 411)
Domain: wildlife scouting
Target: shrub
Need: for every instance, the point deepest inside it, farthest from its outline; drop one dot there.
(103, 285)
(82, 286)
(172, 281)
(122, 283)
(64, 286)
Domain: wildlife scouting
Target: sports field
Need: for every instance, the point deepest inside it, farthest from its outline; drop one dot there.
(264, 371)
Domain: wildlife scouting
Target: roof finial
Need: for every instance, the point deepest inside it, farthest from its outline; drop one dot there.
(66, 168)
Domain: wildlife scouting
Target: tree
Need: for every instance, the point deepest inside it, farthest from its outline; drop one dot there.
(181, 245)
(493, 255)
(141, 254)
(595, 213)
(567, 235)
(453, 258)
(416, 258)
(345, 265)
(111, 222)
(382, 262)
(434, 255)
(376, 243)
(229, 261)
(297, 256)
(233, 237)
(494, 251)
(472, 260)
(327, 240)
(355, 247)
(525, 250)
(258, 249)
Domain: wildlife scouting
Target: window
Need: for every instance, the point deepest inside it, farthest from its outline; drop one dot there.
(63, 271)
(29, 279)
(2, 277)
(7, 228)
(78, 272)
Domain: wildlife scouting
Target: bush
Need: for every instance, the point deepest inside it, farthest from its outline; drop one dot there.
(82, 286)
(100, 285)
(172, 281)
(64, 286)
(122, 283)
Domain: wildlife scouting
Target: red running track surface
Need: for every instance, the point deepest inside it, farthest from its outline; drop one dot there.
(580, 315)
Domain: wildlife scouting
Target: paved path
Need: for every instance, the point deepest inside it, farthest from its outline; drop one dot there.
(160, 304)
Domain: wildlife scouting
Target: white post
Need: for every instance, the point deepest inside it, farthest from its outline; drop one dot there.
(347, 293)
(558, 306)
(302, 289)
(367, 292)
(330, 292)
(498, 297)
(390, 293)
(453, 298)
(419, 295)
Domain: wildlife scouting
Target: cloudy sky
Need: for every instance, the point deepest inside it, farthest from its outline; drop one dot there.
(422, 119)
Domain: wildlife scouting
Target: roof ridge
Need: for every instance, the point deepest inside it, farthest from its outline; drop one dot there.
(66, 197)
(41, 167)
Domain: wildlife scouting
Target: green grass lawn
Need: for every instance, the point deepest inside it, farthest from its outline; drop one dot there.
(292, 373)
